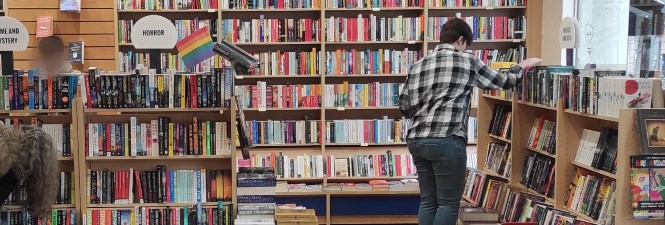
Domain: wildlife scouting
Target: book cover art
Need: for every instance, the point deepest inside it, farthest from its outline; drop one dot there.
(125, 217)
(657, 184)
(341, 167)
(76, 50)
(639, 185)
(44, 26)
(649, 124)
(70, 5)
(647, 200)
(637, 93)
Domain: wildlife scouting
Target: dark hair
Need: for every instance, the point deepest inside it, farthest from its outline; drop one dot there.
(50, 46)
(454, 29)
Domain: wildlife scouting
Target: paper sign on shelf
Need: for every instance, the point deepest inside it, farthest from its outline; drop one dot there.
(411, 42)
(13, 35)
(262, 109)
(376, 9)
(364, 144)
(340, 108)
(154, 32)
(212, 10)
(569, 33)
(239, 77)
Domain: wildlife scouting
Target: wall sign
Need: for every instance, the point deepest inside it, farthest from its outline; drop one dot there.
(154, 32)
(13, 35)
(569, 33)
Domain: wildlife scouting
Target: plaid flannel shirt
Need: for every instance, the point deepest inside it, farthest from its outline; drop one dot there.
(437, 92)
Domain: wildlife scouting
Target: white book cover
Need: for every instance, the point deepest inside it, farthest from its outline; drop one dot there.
(130, 198)
(132, 135)
(154, 151)
(144, 136)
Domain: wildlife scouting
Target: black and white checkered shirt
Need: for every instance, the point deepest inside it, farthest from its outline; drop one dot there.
(438, 89)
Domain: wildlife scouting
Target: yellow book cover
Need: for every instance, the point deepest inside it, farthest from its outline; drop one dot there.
(204, 138)
(218, 181)
(160, 83)
(501, 65)
(312, 62)
(127, 149)
(170, 139)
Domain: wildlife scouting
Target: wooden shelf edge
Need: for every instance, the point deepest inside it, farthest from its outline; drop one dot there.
(537, 105)
(526, 189)
(175, 157)
(601, 172)
(580, 215)
(541, 152)
(496, 98)
(499, 138)
(492, 173)
(605, 118)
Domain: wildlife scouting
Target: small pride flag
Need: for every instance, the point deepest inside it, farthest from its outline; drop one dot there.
(196, 47)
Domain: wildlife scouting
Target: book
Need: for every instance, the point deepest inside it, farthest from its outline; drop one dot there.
(370, 165)
(285, 63)
(56, 217)
(256, 200)
(276, 30)
(501, 122)
(157, 186)
(598, 149)
(483, 190)
(267, 4)
(499, 158)
(355, 29)
(70, 6)
(60, 133)
(542, 84)
(262, 96)
(66, 192)
(192, 214)
(483, 28)
(370, 61)
(284, 132)
(647, 175)
(456, 3)
(591, 195)
(518, 206)
(161, 137)
(489, 56)
(362, 4)
(44, 26)
(649, 122)
(472, 130)
(538, 174)
(167, 5)
(24, 90)
(76, 52)
(362, 95)
(184, 28)
(365, 132)
(478, 215)
(543, 135)
(289, 166)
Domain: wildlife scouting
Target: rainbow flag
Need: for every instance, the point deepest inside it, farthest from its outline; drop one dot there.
(196, 47)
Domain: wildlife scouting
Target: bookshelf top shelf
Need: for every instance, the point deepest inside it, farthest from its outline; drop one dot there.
(154, 110)
(537, 105)
(375, 9)
(174, 157)
(605, 118)
(478, 8)
(497, 98)
(597, 171)
(167, 11)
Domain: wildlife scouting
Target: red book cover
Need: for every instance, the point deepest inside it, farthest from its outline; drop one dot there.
(193, 91)
(255, 96)
(44, 26)
(398, 166)
(95, 217)
(107, 138)
(139, 186)
(285, 62)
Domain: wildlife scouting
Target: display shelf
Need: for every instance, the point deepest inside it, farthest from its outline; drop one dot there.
(537, 105)
(591, 116)
(65, 158)
(374, 219)
(526, 189)
(581, 215)
(492, 173)
(499, 138)
(174, 157)
(541, 152)
(497, 98)
(597, 171)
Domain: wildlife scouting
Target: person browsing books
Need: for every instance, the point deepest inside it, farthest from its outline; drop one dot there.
(52, 56)
(436, 97)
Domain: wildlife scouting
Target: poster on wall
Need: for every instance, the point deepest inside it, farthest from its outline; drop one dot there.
(70, 6)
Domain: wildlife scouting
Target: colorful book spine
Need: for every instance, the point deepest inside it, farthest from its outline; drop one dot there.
(59, 133)
(130, 61)
(270, 4)
(373, 28)
(288, 166)
(362, 95)
(362, 4)
(56, 217)
(167, 4)
(499, 158)
(264, 96)
(371, 165)
(375, 62)
(483, 28)
(287, 63)
(482, 3)
(284, 132)
(264, 30)
(542, 136)
(589, 194)
(26, 91)
(221, 215)
(65, 194)
(489, 56)
(377, 131)
(538, 174)
(161, 137)
(158, 186)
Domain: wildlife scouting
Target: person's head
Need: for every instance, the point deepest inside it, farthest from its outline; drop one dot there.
(52, 53)
(457, 33)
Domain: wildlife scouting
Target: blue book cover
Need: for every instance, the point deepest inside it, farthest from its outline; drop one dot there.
(171, 186)
(125, 217)
(198, 186)
(31, 88)
(256, 199)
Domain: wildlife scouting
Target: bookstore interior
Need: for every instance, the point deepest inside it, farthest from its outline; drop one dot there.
(257, 112)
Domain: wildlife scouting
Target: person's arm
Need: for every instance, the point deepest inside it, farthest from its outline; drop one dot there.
(408, 98)
(487, 78)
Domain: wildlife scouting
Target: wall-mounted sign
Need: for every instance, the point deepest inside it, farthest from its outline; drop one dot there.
(154, 32)
(13, 35)
(569, 33)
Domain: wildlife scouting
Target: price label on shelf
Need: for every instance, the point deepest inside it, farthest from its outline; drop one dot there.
(517, 40)
(376, 9)
(458, 15)
(239, 77)
(489, 7)
(262, 109)
(364, 144)
(411, 42)
(212, 10)
(340, 108)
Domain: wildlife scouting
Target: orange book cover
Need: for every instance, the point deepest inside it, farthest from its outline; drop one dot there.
(44, 26)
(50, 92)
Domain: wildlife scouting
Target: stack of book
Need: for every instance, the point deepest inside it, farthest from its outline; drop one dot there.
(57, 217)
(478, 216)
(538, 174)
(591, 195)
(368, 165)
(371, 62)
(37, 91)
(598, 149)
(264, 96)
(160, 137)
(265, 30)
(362, 95)
(287, 166)
(256, 196)
(293, 215)
(373, 28)
(411, 185)
(484, 28)
(284, 132)
(302, 187)
(501, 122)
(543, 135)
(377, 131)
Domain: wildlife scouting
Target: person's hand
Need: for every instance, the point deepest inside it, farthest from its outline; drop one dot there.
(529, 62)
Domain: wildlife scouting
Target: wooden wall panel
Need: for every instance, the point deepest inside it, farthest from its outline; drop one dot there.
(94, 26)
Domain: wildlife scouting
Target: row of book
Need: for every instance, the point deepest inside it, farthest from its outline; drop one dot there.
(66, 193)
(158, 186)
(158, 137)
(60, 133)
(202, 90)
(287, 63)
(374, 28)
(501, 122)
(381, 61)
(472, 130)
(489, 56)
(220, 215)
(598, 149)
(483, 190)
(483, 28)
(543, 135)
(167, 4)
(362, 4)
(592, 196)
(377, 131)
(476, 3)
(285, 166)
(270, 4)
(538, 174)
(264, 96)
(264, 30)
(362, 95)
(21, 91)
(130, 61)
(183, 27)
(523, 207)
(284, 132)
(410, 185)
(499, 158)
(57, 217)
(368, 165)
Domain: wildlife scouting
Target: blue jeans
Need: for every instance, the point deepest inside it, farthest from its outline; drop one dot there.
(441, 166)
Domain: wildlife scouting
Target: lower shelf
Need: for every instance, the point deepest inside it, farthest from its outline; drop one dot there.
(374, 219)
(131, 205)
(349, 193)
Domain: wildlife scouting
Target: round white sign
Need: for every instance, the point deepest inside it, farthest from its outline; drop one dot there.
(569, 33)
(154, 32)
(13, 35)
